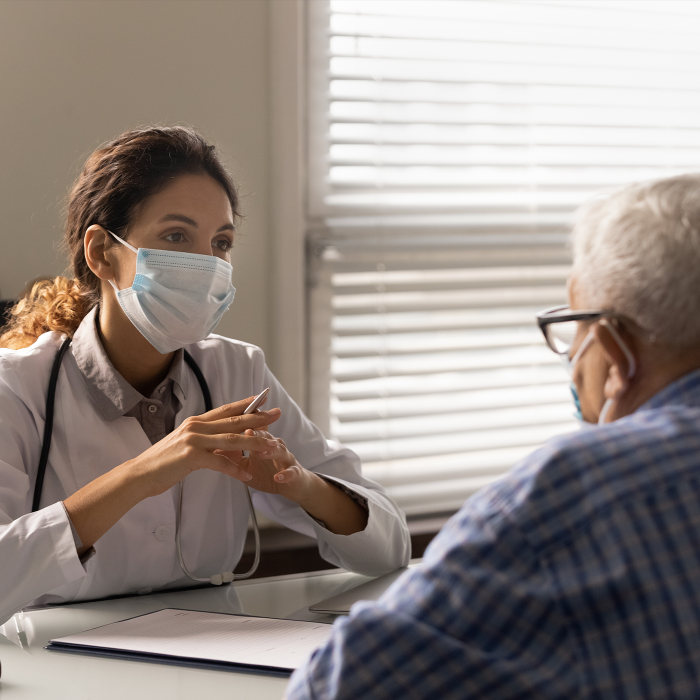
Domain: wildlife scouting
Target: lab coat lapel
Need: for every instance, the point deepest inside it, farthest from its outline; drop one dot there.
(112, 443)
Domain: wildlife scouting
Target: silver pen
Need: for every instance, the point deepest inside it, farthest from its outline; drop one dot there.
(253, 406)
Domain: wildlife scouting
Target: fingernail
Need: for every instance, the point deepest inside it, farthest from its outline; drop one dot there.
(248, 477)
(271, 442)
(279, 477)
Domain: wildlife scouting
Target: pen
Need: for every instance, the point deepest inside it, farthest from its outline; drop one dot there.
(255, 403)
(253, 406)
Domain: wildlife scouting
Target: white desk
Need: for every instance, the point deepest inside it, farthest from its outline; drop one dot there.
(29, 672)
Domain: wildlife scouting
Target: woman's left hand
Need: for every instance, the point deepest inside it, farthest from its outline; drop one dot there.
(277, 471)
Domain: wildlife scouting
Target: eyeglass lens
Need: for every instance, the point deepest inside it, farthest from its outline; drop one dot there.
(561, 335)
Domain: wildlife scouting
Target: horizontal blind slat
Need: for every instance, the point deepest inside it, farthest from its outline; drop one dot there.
(387, 92)
(437, 403)
(427, 446)
(506, 74)
(511, 134)
(443, 381)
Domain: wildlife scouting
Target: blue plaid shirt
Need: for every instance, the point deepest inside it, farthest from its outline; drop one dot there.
(577, 575)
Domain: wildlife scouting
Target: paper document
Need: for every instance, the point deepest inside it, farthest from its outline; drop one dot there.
(236, 639)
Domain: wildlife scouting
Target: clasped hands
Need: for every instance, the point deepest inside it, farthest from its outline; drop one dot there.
(217, 439)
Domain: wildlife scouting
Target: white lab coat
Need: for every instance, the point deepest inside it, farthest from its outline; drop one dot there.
(38, 559)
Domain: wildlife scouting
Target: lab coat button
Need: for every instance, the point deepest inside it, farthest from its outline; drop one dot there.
(152, 408)
(162, 533)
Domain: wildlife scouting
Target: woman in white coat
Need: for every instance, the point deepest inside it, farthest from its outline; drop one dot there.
(151, 222)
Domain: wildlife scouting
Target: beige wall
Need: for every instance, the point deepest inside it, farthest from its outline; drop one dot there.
(74, 73)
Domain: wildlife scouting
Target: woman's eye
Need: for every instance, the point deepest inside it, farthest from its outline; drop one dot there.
(176, 237)
(223, 244)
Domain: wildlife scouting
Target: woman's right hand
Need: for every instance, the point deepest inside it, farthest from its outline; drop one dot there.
(198, 443)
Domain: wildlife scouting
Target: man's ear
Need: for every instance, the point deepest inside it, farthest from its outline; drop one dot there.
(622, 365)
(95, 244)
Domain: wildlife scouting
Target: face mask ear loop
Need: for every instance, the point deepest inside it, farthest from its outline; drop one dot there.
(631, 363)
(584, 346)
(128, 245)
(122, 241)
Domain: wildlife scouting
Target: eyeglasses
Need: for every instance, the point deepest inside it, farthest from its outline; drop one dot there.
(559, 326)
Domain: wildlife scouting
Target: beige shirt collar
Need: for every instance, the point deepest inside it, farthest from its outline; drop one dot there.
(112, 395)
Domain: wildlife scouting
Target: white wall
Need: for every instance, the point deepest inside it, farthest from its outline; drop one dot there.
(75, 73)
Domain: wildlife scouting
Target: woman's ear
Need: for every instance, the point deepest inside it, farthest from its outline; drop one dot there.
(95, 245)
(621, 361)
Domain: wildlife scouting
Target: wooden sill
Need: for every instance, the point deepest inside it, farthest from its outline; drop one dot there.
(284, 551)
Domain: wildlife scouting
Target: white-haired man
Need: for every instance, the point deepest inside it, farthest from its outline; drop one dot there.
(577, 575)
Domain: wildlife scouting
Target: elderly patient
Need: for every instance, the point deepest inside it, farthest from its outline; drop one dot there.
(577, 575)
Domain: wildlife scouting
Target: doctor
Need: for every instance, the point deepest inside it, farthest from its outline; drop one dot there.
(150, 229)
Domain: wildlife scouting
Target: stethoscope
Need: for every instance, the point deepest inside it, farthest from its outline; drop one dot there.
(216, 579)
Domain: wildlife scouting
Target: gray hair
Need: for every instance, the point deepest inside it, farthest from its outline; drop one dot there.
(638, 252)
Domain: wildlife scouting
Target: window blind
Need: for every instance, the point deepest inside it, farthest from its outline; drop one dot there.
(450, 143)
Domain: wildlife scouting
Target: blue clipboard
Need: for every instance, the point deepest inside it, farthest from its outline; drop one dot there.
(167, 660)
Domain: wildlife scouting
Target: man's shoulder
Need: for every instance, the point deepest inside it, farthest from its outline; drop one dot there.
(575, 478)
(632, 452)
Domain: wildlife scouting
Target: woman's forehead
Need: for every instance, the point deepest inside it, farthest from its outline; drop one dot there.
(197, 197)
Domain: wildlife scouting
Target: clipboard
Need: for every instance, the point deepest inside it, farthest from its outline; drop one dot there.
(214, 641)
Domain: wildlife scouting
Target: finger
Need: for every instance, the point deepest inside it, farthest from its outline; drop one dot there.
(235, 456)
(275, 450)
(235, 424)
(229, 409)
(230, 442)
(227, 466)
(261, 432)
(288, 475)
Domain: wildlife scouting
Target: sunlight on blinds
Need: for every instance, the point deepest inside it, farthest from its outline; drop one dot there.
(450, 143)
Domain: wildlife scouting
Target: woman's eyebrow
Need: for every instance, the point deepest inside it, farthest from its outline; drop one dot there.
(191, 222)
(179, 217)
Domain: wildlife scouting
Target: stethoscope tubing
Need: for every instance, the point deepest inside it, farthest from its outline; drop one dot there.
(48, 425)
(216, 579)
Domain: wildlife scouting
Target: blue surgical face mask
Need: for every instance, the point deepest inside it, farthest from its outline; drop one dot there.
(569, 364)
(176, 299)
(577, 402)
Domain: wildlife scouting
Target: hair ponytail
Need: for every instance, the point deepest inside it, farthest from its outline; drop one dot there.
(56, 304)
(116, 179)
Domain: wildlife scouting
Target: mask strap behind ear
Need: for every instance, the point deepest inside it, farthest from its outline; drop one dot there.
(122, 241)
(582, 348)
(632, 365)
(128, 245)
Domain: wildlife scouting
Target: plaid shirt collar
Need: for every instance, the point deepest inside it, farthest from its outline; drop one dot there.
(683, 392)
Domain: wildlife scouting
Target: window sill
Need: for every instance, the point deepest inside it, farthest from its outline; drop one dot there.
(284, 551)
